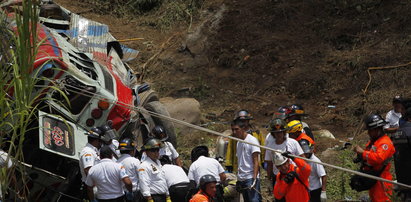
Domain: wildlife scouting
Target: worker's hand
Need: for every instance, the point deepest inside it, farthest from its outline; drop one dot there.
(289, 178)
(358, 149)
(288, 155)
(150, 200)
(254, 183)
(323, 196)
(129, 196)
(229, 169)
(168, 199)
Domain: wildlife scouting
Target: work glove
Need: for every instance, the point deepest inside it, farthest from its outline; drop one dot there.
(129, 196)
(229, 169)
(323, 196)
(150, 200)
(289, 178)
(254, 183)
(288, 155)
(168, 199)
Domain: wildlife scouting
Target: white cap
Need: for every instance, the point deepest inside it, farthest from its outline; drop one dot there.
(279, 159)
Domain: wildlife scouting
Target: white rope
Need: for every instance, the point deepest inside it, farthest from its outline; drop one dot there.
(142, 110)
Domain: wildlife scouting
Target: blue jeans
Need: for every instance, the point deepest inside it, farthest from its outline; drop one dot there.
(250, 195)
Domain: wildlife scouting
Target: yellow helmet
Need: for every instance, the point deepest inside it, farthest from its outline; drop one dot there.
(295, 126)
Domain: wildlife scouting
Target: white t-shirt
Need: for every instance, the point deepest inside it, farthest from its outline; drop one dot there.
(245, 157)
(174, 175)
(89, 156)
(317, 171)
(152, 178)
(167, 150)
(392, 118)
(289, 144)
(203, 166)
(131, 165)
(107, 177)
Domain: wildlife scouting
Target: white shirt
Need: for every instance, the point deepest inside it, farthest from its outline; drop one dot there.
(289, 144)
(245, 157)
(89, 156)
(131, 165)
(174, 175)
(152, 178)
(167, 150)
(317, 171)
(203, 166)
(392, 118)
(107, 177)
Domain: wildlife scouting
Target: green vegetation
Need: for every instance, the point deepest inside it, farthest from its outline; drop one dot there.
(165, 12)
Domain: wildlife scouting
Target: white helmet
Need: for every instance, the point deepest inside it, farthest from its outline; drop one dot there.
(279, 159)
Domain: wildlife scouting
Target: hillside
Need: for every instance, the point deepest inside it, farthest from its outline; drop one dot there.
(259, 55)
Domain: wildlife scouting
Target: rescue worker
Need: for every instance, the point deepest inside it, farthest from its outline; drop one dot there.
(153, 184)
(203, 165)
(177, 181)
(248, 181)
(296, 112)
(281, 113)
(376, 156)
(295, 130)
(402, 159)
(231, 163)
(292, 181)
(89, 155)
(108, 176)
(159, 132)
(278, 139)
(318, 177)
(132, 165)
(207, 190)
(394, 115)
(109, 138)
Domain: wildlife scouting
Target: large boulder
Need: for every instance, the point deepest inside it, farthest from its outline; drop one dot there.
(323, 133)
(184, 109)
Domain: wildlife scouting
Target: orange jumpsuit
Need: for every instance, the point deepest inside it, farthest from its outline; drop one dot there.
(200, 197)
(294, 191)
(376, 155)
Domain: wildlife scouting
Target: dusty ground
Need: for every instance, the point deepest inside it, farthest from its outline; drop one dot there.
(262, 54)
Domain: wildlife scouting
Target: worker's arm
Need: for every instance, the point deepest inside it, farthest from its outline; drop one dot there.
(128, 184)
(178, 162)
(256, 166)
(144, 182)
(324, 183)
(86, 170)
(304, 168)
(223, 177)
(381, 154)
(270, 170)
(90, 193)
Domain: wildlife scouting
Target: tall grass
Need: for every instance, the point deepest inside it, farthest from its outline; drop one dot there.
(17, 102)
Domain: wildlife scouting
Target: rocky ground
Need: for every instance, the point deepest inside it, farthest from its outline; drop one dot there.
(259, 55)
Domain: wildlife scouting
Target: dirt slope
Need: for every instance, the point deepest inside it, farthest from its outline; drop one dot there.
(265, 54)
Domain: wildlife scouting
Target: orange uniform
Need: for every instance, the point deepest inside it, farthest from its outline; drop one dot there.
(376, 155)
(200, 197)
(295, 191)
(304, 136)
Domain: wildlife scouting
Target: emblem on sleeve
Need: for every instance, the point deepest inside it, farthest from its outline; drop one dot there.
(385, 146)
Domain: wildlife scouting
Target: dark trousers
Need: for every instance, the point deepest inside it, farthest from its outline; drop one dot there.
(315, 195)
(119, 199)
(179, 192)
(156, 198)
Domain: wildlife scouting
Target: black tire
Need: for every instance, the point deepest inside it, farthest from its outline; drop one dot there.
(159, 108)
(148, 96)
